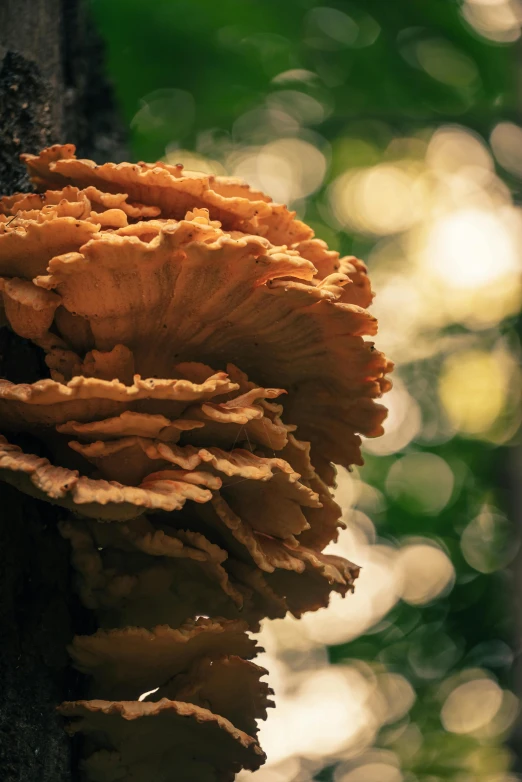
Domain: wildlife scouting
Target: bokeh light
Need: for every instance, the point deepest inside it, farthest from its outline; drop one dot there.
(471, 706)
(394, 130)
(371, 772)
(497, 20)
(422, 481)
(471, 248)
(382, 199)
(506, 142)
(473, 387)
(427, 571)
(287, 169)
(488, 542)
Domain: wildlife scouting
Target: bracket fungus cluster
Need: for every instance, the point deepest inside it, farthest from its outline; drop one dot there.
(206, 367)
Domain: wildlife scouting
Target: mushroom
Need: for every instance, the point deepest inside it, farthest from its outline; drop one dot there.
(162, 740)
(207, 365)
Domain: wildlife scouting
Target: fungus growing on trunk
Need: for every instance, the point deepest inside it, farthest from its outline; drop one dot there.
(207, 366)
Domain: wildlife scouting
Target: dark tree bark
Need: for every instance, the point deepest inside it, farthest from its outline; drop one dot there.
(52, 90)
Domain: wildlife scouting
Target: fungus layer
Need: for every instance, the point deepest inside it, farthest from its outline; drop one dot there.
(162, 740)
(207, 365)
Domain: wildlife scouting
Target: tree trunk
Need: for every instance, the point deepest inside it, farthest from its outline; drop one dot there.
(52, 90)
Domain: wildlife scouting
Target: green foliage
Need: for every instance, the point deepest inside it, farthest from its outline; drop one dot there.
(226, 54)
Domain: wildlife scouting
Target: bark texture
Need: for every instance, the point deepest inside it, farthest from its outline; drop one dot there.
(52, 90)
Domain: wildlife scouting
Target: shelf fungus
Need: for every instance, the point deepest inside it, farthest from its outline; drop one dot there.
(206, 366)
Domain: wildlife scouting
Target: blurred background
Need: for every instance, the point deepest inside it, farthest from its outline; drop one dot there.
(394, 128)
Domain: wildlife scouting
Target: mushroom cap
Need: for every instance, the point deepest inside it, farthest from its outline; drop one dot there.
(333, 376)
(213, 271)
(125, 662)
(99, 499)
(150, 578)
(174, 190)
(252, 508)
(163, 577)
(48, 403)
(230, 685)
(164, 740)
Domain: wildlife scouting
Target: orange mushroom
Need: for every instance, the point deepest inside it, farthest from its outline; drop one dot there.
(208, 366)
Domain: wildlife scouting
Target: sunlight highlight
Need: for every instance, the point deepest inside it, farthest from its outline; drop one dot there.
(471, 248)
(427, 571)
(473, 389)
(377, 200)
(287, 169)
